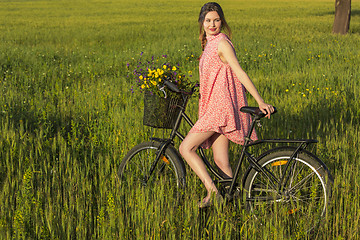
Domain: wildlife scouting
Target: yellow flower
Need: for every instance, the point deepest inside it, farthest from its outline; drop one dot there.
(141, 77)
(286, 90)
(164, 67)
(142, 86)
(153, 82)
(173, 68)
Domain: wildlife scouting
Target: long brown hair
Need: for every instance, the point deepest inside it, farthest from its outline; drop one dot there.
(210, 7)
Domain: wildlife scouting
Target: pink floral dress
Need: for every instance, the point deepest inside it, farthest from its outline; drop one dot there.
(221, 97)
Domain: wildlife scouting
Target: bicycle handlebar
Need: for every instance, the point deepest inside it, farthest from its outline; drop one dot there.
(172, 86)
(175, 88)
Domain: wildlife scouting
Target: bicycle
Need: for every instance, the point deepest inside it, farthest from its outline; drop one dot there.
(287, 180)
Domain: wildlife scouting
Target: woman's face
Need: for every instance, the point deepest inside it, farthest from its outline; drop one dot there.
(212, 23)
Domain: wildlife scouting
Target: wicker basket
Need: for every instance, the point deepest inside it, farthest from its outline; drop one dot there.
(161, 112)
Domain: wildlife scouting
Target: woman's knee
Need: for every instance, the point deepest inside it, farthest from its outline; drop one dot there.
(182, 148)
(185, 148)
(192, 142)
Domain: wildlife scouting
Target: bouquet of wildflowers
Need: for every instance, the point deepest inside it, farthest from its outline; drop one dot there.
(149, 75)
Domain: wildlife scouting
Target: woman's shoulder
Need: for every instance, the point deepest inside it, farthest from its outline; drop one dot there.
(223, 35)
(224, 40)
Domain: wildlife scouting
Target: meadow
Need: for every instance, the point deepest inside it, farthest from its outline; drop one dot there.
(68, 115)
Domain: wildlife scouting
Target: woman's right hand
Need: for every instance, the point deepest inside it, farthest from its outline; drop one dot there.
(267, 109)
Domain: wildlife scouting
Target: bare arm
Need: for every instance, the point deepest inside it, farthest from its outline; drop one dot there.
(227, 55)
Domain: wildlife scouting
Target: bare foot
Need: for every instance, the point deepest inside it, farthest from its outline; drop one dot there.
(209, 200)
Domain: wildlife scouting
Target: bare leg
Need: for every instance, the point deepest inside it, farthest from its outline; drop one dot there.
(188, 151)
(220, 149)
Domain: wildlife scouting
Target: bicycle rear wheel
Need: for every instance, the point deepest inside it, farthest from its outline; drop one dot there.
(166, 180)
(301, 200)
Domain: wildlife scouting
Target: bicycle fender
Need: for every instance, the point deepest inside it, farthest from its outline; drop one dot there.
(179, 159)
(181, 164)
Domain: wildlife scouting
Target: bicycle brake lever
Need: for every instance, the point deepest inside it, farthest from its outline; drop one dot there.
(162, 89)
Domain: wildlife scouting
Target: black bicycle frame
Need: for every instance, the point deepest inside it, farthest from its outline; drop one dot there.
(277, 184)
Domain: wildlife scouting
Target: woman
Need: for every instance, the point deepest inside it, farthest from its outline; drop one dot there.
(222, 94)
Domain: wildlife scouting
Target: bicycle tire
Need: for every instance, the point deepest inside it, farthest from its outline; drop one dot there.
(304, 197)
(168, 177)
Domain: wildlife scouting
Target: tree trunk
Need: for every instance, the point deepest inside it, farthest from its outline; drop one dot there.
(342, 16)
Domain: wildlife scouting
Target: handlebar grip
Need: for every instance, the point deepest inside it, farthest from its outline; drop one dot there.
(172, 86)
(261, 114)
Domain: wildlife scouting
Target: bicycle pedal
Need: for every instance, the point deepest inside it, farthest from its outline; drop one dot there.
(237, 191)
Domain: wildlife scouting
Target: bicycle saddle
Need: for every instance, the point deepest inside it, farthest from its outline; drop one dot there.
(255, 111)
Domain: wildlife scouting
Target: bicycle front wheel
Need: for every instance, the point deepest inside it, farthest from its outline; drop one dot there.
(165, 180)
(296, 189)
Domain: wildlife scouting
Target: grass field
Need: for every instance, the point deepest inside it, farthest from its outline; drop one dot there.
(68, 117)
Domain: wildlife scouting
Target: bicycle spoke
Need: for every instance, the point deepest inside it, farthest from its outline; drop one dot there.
(292, 173)
(303, 187)
(264, 187)
(302, 182)
(303, 199)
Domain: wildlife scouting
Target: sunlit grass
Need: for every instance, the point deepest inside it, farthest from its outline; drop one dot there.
(68, 117)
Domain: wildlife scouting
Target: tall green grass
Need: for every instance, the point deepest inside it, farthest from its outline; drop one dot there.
(67, 115)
